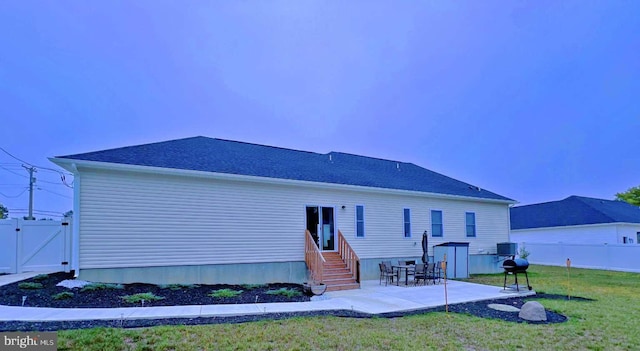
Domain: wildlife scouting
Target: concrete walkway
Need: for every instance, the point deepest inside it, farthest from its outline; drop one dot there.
(371, 298)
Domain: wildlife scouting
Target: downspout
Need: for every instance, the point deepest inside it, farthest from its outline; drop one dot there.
(75, 233)
(509, 221)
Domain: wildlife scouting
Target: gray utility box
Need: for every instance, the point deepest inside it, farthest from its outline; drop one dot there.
(457, 258)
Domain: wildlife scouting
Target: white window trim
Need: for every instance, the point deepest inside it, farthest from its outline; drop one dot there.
(431, 221)
(364, 232)
(475, 224)
(335, 221)
(403, 223)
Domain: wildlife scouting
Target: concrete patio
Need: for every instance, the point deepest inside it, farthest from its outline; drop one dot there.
(371, 298)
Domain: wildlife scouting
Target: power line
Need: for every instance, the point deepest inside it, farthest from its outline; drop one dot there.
(15, 196)
(11, 165)
(10, 171)
(22, 175)
(39, 213)
(53, 192)
(32, 165)
(25, 210)
(7, 152)
(62, 177)
(32, 180)
(53, 183)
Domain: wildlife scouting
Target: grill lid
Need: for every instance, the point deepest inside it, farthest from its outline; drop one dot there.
(515, 265)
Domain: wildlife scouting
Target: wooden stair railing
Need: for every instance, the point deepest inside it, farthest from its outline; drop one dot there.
(313, 258)
(349, 257)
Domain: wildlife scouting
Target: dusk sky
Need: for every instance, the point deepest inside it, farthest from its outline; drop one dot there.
(533, 100)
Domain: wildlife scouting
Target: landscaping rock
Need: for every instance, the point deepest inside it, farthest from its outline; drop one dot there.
(533, 311)
(503, 307)
(73, 283)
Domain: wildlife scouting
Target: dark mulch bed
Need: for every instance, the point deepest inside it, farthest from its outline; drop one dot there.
(481, 309)
(12, 294)
(181, 297)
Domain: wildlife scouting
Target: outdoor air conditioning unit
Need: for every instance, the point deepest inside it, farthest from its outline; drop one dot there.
(507, 249)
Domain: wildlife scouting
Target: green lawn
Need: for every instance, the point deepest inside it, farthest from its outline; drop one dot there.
(612, 322)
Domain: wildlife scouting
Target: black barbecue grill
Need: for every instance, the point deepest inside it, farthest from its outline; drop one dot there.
(515, 266)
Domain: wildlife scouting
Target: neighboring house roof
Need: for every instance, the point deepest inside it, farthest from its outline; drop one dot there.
(574, 210)
(233, 157)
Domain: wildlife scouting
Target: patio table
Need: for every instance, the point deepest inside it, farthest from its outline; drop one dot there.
(406, 268)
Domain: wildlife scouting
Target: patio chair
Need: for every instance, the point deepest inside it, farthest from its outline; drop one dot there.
(431, 272)
(383, 274)
(420, 273)
(388, 265)
(437, 272)
(386, 272)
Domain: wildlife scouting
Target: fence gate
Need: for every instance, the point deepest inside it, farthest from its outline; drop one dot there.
(32, 246)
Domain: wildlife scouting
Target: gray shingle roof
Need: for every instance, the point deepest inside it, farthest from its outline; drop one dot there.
(574, 210)
(233, 157)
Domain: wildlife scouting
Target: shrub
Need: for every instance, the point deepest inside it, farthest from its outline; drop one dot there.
(285, 292)
(30, 286)
(102, 286)
(178, 286)
(40, 277)
(523, 253)
(225, 293)
(254, 286)
(63, 295)
(137, 298)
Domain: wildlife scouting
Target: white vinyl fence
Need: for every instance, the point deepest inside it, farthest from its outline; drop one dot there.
(33, 246)
(615, 257)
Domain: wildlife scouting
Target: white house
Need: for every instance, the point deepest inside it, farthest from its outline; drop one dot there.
(576, 220)
(205, 210)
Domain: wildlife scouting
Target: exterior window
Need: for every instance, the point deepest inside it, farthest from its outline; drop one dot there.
(471, 224)
(436, 223)
(407, 223)
(359, 221)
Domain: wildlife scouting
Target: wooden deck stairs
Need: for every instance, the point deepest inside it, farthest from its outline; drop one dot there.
(338, 270)
(336, 274)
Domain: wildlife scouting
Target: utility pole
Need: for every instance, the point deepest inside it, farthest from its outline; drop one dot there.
(32, 181)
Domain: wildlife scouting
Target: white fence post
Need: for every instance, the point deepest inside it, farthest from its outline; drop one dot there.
(8, 237)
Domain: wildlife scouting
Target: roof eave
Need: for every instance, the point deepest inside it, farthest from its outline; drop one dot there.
(577, 226)
(72, 166)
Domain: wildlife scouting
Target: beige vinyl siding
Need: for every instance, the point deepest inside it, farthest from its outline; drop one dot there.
(131, 219)
(384, 225)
